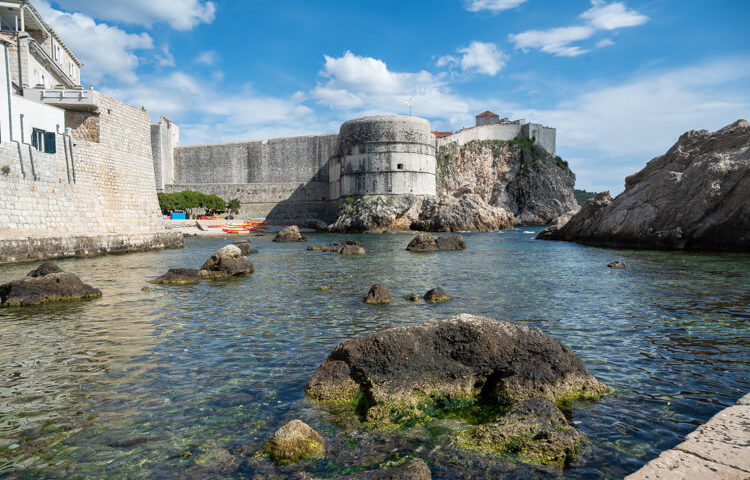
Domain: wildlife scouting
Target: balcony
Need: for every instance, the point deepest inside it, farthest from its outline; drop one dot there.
(65, 98)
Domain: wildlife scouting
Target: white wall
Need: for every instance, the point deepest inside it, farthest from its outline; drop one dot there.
(35, 115)
(498, 131)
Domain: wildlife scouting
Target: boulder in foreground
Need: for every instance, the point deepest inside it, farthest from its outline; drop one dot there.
(693, 197)
(426, 242)
(415, 469)
(403, 374)
(290, 234)
(225, 263)
(179, 276)
(293, 442)
(48, 283)
(535, 430)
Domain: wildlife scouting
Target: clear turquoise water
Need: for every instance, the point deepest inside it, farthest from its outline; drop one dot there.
(124, 386)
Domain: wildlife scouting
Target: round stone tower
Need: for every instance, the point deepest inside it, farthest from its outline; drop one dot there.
(384, 155)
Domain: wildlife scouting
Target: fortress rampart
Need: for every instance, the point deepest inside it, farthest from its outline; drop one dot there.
(302, 179)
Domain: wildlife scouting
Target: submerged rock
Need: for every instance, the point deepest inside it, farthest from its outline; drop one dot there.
(352, 250)
(415, 469)
(403, 374)
(469, 213)
(413, 297)
(378, 295)
(693, 197)
(436, 295)
(618, 264)
(225, 263)
(426, 242)
(293, 442)
(47, 283)
(290, 234)
(317, 248)
(535, 430)
(179, 276)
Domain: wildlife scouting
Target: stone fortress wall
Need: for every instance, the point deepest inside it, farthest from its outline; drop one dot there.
(545, 137)
(87, 198)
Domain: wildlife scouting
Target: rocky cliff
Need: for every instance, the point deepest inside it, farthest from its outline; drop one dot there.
(516, 176)
(696, 196)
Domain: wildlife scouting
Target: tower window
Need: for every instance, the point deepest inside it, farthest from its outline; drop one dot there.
(400, 166)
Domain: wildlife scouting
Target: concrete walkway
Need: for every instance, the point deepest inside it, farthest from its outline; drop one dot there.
(719, 449)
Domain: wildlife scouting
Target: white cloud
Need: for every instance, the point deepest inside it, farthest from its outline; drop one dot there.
(478, 57)
(615, 129)
(492, 5)
(612, 16)
(106, 51)
(559, 41)
(556, 41)
(179, 14)
(166, 59)
(367, 85)
(209, 57)
(605, 42)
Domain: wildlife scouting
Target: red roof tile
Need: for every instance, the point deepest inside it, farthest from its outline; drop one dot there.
(488, 114)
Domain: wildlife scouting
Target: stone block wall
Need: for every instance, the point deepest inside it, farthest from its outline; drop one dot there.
(100, 190)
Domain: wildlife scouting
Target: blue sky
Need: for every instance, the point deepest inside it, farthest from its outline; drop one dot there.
(619, 80)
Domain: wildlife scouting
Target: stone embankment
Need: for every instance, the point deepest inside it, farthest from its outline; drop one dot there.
(719, 449)
(694, 197)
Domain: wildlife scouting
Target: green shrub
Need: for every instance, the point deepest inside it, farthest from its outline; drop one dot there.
(5, 170)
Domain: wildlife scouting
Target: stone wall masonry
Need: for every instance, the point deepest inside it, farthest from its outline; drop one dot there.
(101, 193)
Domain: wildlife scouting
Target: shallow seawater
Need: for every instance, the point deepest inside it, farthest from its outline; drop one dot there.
(164, 383)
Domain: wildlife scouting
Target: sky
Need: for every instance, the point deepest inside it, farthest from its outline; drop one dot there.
(619, 80)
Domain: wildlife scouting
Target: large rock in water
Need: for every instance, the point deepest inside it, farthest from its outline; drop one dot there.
(290, 234)
(535, 430)
(377, 214)
(179, 276)
(405, 372)
(468, 212)
(225, 263)
(48, 283)
(516, 176)
(426, 242)
(696, 196)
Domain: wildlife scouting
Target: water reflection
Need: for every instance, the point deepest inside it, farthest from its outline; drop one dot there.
(123, 386)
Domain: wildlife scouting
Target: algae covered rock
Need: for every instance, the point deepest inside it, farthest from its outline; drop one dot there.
(378, 295)
(290, 234)
(352, 250)
(179, 276)
(436, 295)
(617, 264)
(293, 442)
(535, 430)
(426, 242)
(48, 283)
(225, 263)
(245, 247)
(406, 374)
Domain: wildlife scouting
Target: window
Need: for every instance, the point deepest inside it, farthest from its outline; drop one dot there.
(400, 166)
(43, 141)
(58, 53)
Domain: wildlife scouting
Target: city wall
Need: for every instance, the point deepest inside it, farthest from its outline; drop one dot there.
(283, 180)
(545, 136)
(88, 197)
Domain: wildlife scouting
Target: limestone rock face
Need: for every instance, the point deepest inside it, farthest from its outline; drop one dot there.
(378, 295)
(290, 234)
(48, 283)
(693, 197)
(225, 263)
(426, 242)
(179, 276)
(549, 232)
(469, 212)
(522, 179)
(535, 430)
(402, 371)
(377, 214)
(293, 442)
